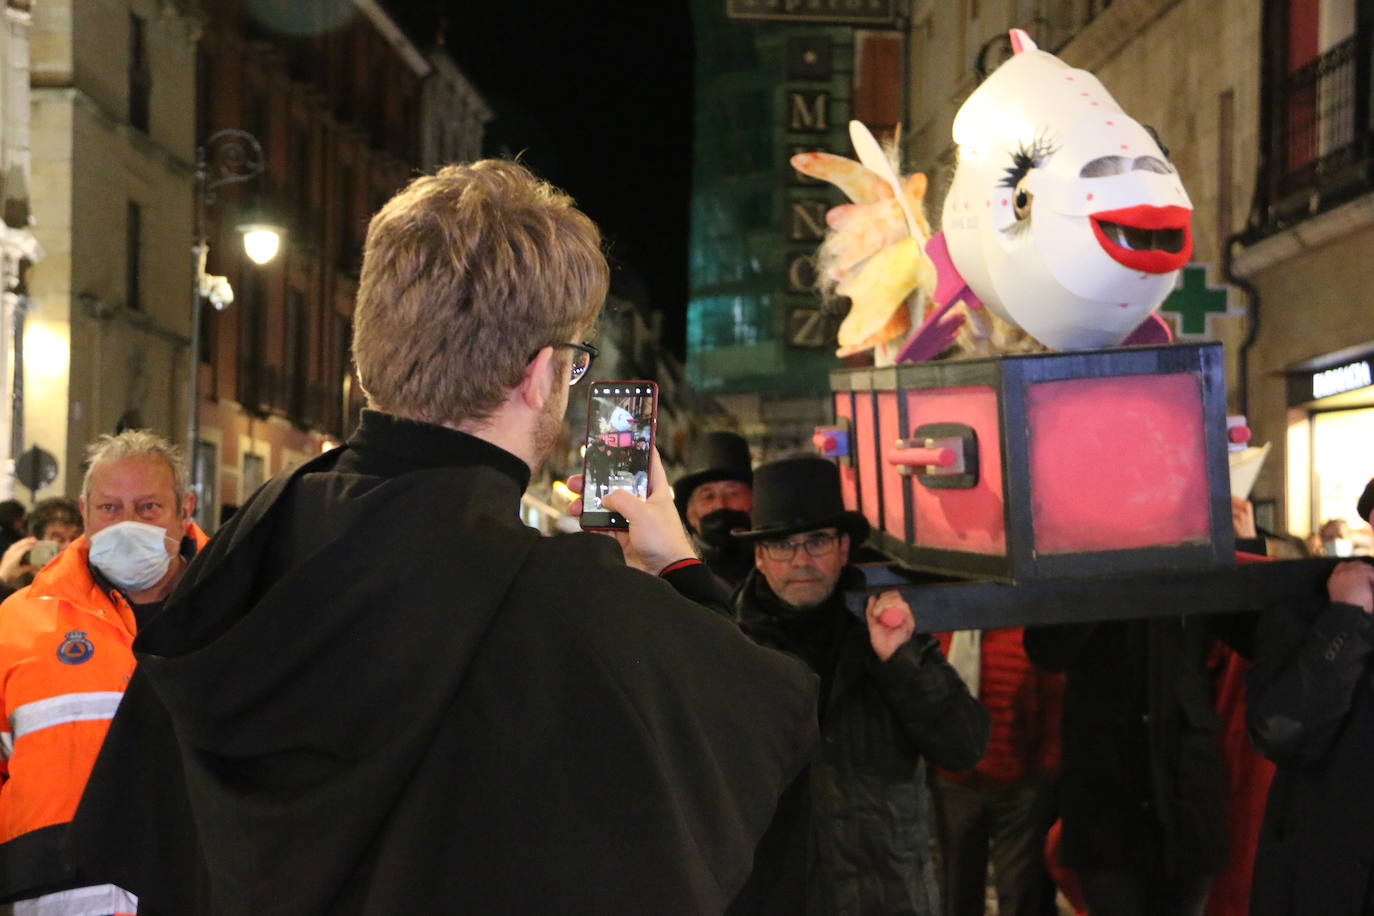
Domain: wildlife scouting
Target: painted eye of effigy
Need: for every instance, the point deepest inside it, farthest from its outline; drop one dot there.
(1021, 203)
(1022, 161)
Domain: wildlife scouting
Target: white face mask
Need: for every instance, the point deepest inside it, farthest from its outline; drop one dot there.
(131, 555)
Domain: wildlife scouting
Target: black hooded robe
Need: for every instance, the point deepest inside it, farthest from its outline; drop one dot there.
(375, 691)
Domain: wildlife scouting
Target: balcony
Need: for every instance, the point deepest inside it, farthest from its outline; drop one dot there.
(1318, 150)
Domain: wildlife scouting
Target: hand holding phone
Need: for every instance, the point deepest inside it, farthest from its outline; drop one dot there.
(655, 537)
(621, 421)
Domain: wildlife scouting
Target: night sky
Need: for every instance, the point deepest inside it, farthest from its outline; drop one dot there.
(598, 96)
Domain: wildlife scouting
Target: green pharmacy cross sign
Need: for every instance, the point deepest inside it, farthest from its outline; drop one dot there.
(1194, 300)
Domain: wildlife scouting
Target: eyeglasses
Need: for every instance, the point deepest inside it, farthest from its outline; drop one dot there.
(817, 545)
(583, 354)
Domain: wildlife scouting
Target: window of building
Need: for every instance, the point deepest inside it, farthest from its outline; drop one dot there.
(140, 73)
(254, 473)
(295, 361)
(207, 484)
(133, 260)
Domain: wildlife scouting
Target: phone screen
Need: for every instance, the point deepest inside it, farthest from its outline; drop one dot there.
(620, 433)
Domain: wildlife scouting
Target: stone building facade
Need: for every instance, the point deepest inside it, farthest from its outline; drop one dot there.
(112, 131)
(347, 110)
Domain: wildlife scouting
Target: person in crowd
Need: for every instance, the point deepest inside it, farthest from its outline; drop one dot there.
(859, 827)
(12, 513)
(1311, 711)
(1335, 538)
(56, 520)
(1142, 789)
(65, 658)
(715, 497)
(1006, 805)
(377, 691)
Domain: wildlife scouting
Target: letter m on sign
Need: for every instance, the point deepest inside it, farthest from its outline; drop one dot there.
(808, 111)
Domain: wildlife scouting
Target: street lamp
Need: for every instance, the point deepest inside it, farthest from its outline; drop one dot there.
(227, 157)
(261, 241)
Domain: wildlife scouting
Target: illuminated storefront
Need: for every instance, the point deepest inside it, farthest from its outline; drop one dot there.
(1330, 437)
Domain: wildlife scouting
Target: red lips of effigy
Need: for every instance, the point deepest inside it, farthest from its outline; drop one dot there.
(1154, 240)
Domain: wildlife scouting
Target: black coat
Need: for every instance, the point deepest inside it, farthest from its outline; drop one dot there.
(1141, 784)
(865, 805)
(1311, 711)
(375, 691)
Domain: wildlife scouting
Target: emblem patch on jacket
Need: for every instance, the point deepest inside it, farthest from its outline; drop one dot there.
(75, 649)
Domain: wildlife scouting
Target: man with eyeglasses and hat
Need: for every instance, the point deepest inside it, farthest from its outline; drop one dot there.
(859, 822)
(714, 497)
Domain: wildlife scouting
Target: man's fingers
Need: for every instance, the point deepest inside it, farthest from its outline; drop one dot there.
(575, 507)
(623, 502)
(658, 478)
(575, 483)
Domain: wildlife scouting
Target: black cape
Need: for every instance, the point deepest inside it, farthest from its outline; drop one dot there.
(375, 691)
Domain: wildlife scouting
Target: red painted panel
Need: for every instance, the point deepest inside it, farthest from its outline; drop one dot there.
(970, 520)
(867, 452)
(889, 431)
(1117, 463)
(878, 79)
(849, 482)
(1304, 22)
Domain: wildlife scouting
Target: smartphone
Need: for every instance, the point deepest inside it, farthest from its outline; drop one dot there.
(41, 554)
(621, 419)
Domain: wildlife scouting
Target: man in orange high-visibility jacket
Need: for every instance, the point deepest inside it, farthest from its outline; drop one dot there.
(65, 659)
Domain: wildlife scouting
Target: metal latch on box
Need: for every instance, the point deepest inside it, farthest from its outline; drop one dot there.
(939, 455)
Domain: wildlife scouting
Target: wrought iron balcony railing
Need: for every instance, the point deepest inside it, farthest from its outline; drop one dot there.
(1317, 145)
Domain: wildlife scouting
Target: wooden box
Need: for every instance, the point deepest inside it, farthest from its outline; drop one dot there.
(1052, 465)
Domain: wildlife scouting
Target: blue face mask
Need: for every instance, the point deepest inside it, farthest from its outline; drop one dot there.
(131, 554)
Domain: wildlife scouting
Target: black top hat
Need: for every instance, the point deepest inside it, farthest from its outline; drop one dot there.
(718, 455)
(1366, 504)
(801, 494)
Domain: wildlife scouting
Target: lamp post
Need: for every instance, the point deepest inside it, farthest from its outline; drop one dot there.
(228, 156)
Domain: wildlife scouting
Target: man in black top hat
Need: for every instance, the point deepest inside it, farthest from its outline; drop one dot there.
(889, 701)
(714, 498)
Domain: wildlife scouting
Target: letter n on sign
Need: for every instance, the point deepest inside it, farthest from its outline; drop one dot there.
(806, 220)
(808, 112)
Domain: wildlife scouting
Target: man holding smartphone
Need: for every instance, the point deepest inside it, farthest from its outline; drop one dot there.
(378, 692)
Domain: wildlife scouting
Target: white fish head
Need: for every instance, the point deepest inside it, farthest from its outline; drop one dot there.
(1065, 215)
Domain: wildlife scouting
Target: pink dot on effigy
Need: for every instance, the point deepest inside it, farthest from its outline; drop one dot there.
(1124, 305)
(1090, 197)
(1111, 123)
(1004, 201)
(1124, 146)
